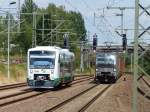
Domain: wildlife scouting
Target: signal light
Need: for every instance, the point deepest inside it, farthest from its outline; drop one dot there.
(65, 43)
(94, 41)
(124, 41)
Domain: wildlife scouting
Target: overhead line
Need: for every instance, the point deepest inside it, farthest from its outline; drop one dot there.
(85, 16)
(87, 5)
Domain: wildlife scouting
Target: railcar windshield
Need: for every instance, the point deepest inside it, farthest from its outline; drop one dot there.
(42, 59)
(42, 63)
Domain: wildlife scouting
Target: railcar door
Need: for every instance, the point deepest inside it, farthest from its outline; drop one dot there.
(65, 68)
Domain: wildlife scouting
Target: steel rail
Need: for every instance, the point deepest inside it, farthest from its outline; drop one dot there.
(94, 98)
(30, 96)
(146, 82)
(140, 90)
(11, 86)
(70, 99)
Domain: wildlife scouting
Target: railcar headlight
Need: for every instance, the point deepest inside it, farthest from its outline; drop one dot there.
(30, 77)
(43, 70)
(31, 71)
(52, 71)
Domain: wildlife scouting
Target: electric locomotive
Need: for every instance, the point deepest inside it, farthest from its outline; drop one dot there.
(106, 67)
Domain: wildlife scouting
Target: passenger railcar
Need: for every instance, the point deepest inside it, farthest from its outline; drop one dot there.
(49, 67)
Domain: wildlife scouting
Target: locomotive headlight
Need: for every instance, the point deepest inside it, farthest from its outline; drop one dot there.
(96, 70)
(112, 57)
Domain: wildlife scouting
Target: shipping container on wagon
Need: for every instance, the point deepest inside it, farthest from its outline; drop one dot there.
(120, 64)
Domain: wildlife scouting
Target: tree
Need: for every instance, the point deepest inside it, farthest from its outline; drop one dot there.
(25, 39)
(28, 7)
(53, 29)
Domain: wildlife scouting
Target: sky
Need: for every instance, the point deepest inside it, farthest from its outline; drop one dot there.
(104, 24)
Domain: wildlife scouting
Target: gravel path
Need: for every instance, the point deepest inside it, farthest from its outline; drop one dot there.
(119, 99)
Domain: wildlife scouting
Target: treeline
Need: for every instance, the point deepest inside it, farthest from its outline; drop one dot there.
(48, 26)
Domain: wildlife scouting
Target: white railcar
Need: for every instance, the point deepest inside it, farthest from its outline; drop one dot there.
(49, 67)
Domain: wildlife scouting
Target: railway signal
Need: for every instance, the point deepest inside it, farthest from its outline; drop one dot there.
(124, 41)
(65, 40)
(94, 42)
(65, 43)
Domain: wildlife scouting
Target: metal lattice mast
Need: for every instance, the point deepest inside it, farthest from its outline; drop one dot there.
(33, 31)
(139, 48)
(43, 27)
(18, 16)
(136, 33)
(8, 50)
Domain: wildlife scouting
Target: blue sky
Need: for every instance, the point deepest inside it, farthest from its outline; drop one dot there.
(103, 27)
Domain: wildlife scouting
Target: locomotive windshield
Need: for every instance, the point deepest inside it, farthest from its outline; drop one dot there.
(105, 61)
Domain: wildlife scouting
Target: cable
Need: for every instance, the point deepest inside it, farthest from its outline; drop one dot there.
(84, 16)
(71, 5)
(111, 3)
(99, 29)
(89, 8)
(110, 26)
(107, 25)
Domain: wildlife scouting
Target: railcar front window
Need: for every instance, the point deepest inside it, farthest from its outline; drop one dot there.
(42, 63)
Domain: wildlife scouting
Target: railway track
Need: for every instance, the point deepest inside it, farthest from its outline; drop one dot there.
(20, 96)
(146, 82)
(79, 95)
(140, 90)
(94, 99)
(17, 85)
(84, 107)
(11, 86)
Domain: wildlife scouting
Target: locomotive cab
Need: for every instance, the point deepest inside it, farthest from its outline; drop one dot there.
(106, 69)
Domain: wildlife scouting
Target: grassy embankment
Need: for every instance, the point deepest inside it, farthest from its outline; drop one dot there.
(17, 73)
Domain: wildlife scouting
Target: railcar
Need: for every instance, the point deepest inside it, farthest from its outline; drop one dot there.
(49, 67)
(107, 66)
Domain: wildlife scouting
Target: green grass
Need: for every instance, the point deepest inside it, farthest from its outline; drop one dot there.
(17, 73)
(3, 69)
